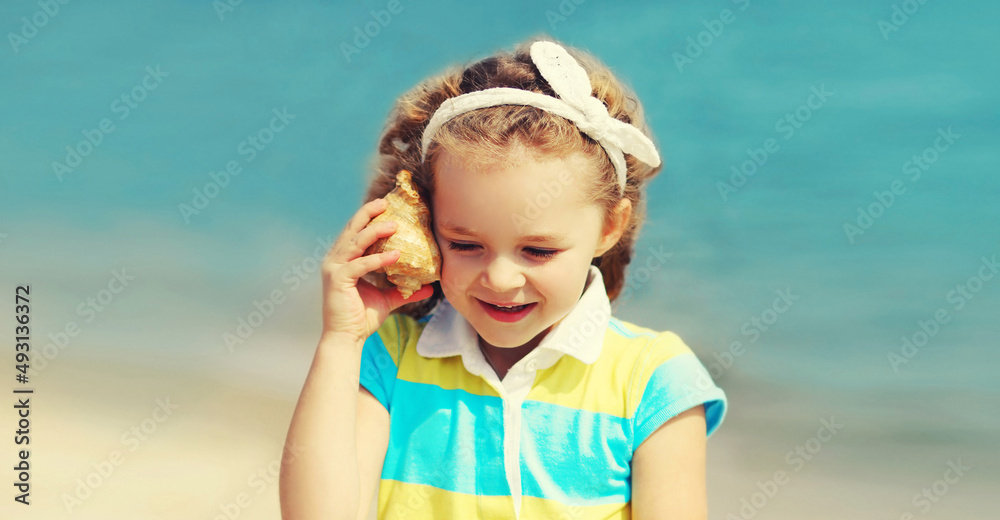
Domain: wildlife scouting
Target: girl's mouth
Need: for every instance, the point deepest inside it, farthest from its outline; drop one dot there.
(507, 314)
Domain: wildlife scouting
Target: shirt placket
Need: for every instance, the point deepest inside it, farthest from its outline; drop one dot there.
(513, 390)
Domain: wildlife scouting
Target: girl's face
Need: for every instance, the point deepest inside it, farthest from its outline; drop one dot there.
(518, 235)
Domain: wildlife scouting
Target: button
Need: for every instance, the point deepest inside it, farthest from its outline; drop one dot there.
(531, 366)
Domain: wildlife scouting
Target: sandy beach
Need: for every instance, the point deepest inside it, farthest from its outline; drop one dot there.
(118, 441)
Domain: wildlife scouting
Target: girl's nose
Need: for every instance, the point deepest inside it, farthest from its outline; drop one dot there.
(502, 275)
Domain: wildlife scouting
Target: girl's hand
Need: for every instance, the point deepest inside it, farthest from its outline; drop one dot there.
(353, 308)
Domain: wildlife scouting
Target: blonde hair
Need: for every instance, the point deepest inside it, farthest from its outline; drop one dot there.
(486, 136)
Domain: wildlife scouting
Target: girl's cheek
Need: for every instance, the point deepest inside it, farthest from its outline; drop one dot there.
(449, 264)
(457, 268)
(452, 262)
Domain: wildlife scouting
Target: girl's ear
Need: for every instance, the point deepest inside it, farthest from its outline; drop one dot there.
(614, 227)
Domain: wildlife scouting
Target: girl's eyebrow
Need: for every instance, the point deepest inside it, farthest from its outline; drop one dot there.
(541, 238)
(458, 230)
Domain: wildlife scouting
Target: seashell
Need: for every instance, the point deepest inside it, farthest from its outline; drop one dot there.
(419, 260)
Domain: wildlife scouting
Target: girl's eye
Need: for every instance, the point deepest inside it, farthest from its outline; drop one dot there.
(544, 254)
(459, 246)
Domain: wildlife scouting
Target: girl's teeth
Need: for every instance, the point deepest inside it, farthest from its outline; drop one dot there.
(512, 307)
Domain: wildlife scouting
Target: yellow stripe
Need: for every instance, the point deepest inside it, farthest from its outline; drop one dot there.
(666, 346)
(636, 329)
(388, 332)
(448, 373)
(598, 388)
(532, 507)
(612, 385)
(608, 385)
(399, 500)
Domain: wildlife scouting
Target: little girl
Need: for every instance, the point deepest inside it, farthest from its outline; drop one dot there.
(506, 389)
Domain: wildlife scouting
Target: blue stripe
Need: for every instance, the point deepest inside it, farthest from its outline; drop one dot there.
(433, 440)
(576, 457)
(619, 327)
(378, 372)
(677, 384)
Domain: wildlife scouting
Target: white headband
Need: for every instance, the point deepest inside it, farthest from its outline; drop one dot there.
(570, 82)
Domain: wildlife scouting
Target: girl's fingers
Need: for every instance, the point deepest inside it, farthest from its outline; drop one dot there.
(345, 248)
(396, 300)
(358, 267)
(369, 235)
(364, 215)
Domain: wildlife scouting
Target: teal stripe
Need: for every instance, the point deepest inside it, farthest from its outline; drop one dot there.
(620, 328)
(676, 385)
(448, 439)
(576, 457)
(452, 440)
(378, 372)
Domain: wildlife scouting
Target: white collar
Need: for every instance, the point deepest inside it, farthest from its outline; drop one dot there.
(580, 333)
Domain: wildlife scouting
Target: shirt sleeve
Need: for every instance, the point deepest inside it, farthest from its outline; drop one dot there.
(673, 380)
(379, 361)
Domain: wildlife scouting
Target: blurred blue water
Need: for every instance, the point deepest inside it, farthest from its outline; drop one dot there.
(782, 229)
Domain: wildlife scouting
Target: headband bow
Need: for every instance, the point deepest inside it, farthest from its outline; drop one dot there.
(570, 82)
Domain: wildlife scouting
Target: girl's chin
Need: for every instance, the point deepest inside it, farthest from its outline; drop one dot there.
(504, 342)
(512, 340)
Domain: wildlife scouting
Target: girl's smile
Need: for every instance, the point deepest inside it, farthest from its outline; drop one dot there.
(508, 313)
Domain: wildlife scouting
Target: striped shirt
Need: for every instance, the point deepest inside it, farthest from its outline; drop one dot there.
(554, 439)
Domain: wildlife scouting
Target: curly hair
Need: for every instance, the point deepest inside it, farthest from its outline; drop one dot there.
(487, 135)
